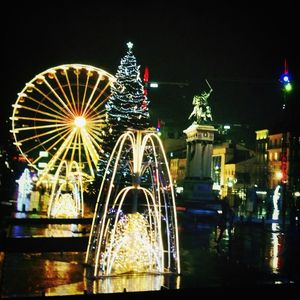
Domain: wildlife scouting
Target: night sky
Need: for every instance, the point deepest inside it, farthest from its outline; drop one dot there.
(240, 50)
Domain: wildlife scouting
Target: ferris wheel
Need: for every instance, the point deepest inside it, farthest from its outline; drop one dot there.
(60, 114)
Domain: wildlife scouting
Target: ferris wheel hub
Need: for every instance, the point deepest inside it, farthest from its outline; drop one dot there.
(80, 122)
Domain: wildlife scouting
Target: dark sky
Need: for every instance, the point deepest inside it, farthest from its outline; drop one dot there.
(240, 50)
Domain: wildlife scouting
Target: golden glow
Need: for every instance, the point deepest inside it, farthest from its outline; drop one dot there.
(80, 122)
(278, 175)
(133, 247)
(66, 200)
(262, 134)
(134, 242)
(51, 104)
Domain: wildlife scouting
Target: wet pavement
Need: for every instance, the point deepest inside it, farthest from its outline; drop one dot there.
(255, 254)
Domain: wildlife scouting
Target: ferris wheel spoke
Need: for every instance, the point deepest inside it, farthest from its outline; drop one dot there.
(40, 112)
(59, 98)
(71, 92)
(84, 93)
(68, 145)
(87, 142)
(24, 129)
(45, 141)
(65, 96)
(60, 154)
(63, 136)
(41, 103)
(89, 157)
(79, 151)
(102, 103)
(34, 137)
(37, 119)
(87, 106)
(96, 115)
(98, 118)
(75, 146)
(96, 140)
(91, 106)
(57, 105)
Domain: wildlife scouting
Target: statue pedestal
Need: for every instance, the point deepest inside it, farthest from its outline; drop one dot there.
(197, 192)
(197, 187)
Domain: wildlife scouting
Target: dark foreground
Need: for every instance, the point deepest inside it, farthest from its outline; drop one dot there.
(255, 258)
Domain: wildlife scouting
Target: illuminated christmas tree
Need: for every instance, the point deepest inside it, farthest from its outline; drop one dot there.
(127, 107)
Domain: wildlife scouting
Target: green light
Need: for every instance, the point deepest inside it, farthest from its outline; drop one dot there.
(288, 87)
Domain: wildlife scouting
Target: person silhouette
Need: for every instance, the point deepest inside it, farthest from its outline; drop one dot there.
(225, 220)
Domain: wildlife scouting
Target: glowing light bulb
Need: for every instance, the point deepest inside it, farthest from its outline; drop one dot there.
(80, 122)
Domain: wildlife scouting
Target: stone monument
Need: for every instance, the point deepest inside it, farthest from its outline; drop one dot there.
(199, 137)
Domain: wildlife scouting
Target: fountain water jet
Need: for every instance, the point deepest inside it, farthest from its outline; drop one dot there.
(134, 228)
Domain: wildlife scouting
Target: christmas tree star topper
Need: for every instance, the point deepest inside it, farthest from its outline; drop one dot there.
(129, 45)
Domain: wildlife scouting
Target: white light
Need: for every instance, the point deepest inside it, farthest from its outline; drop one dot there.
(216, 187)
(153, 84)
(261, 192)
(42, 165)
(179, 189)
(80, 122)
(44, 154)
(226, 126)
(129, 45)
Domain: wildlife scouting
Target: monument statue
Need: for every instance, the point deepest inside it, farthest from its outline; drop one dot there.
(197, 185)
(202, 110)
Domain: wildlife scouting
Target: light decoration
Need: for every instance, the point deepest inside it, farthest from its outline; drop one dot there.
(276, 198)
(127, 107)
(146, 81)
(158, 125)
(66, 199)
(285, 80)
(62, 111)
(145, 239)
(135, 247)
(24, 191)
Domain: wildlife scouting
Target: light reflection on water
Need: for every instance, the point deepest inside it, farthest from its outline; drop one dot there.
(265, 247)
(132, 283)
(50, 230)
(276, 247)
(117, 284)
(76, 288)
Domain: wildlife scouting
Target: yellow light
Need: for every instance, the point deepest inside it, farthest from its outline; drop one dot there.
(278, 175)
(80, 122)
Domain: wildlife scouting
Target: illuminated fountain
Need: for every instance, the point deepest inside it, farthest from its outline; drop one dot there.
(134, 229)
(66, 200)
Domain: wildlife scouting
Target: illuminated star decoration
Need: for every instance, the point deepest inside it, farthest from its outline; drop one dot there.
(129, 45)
